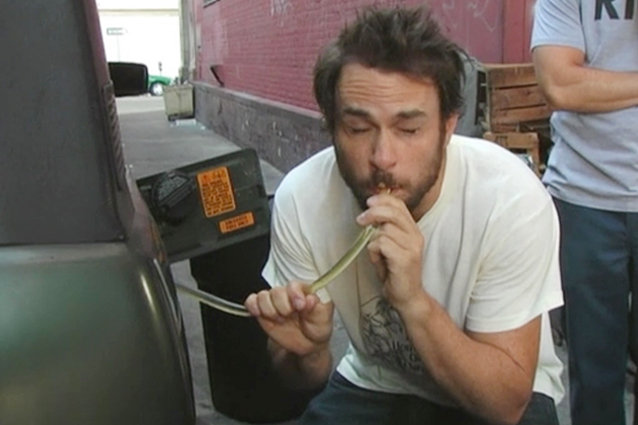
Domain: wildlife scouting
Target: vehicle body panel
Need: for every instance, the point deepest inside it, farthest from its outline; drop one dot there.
(90, 329)
(88, 336)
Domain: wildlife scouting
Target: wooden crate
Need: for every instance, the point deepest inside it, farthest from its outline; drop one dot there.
(527, 143)
(513, 111)
(509, 97)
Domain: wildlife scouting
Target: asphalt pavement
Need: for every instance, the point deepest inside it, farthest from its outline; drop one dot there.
(153, 144)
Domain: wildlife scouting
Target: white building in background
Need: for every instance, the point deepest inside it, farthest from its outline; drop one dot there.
(142, 31)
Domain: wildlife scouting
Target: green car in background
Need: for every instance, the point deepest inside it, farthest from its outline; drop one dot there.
(156, 84)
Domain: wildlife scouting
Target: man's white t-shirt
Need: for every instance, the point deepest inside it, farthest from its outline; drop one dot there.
(490, 259)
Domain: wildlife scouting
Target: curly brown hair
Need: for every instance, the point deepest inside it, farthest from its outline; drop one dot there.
(404, 40)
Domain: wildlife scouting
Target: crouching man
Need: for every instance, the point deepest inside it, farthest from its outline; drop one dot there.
(447, 312)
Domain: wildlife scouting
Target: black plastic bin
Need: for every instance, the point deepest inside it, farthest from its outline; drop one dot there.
(242, 381)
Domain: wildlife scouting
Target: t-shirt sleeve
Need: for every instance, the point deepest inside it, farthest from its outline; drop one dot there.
(290, 255)
(557, 22)
(519, 276)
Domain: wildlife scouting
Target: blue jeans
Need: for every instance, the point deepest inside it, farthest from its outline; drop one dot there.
(343, 403)
(599, 267)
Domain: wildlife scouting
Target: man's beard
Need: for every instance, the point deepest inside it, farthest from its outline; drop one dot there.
(361, 188)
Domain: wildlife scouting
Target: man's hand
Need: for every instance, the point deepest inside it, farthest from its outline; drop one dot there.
(295, 320)
(299, 327)
(489, 374)
(396, 249)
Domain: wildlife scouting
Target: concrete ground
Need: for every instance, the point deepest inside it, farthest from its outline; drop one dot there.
(153, 144)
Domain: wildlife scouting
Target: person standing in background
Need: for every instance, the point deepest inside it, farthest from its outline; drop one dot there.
(585, 54)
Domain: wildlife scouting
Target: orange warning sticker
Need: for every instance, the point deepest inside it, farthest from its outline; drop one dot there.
(237, 222)
(216, 191)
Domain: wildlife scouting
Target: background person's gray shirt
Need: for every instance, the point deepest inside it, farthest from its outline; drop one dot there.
(594, 162)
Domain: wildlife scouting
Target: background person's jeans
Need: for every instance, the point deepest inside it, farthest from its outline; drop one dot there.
(343, 403)
(599, 268)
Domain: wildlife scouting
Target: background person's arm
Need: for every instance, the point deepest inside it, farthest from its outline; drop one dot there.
(568, 84)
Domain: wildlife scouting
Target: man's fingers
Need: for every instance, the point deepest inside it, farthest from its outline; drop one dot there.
(251, 305)
(273, 304)
(296, 293)
(280, 302)
(377, 259)
(266, 307)
(383, 210)
(299, 329)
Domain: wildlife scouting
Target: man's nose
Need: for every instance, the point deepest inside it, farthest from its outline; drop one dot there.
(383, 151)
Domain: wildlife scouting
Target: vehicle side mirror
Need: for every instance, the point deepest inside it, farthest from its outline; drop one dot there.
(129, 79)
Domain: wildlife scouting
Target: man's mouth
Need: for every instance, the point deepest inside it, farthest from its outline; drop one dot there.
(383, 188)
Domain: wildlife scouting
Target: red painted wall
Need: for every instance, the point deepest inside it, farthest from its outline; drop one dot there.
(517, 16)
(267, 48)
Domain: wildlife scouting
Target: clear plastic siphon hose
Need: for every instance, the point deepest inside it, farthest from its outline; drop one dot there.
(239, 310)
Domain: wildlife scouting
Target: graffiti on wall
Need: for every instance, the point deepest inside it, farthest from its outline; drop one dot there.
(268, 48)
(474, 24)
(280, 7)
(486, 12)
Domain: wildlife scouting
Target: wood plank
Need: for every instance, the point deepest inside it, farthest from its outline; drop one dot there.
(517, 142)
(516, 97)
(539, 126)
(504, 128)
(509, 75)
(513, 139)
(517, 116)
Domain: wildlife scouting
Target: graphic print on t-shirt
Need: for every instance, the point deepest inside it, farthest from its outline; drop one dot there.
(385, 338)
(611, 9)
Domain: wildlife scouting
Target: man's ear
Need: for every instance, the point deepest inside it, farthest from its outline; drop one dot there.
(450, 125)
